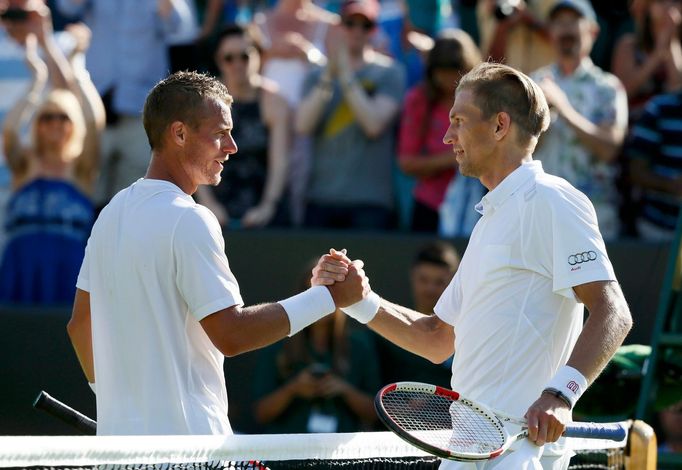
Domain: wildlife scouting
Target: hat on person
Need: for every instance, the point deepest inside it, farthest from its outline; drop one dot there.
(581, 7)
(367, 8)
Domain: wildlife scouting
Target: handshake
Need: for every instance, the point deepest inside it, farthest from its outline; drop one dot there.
(337, 282)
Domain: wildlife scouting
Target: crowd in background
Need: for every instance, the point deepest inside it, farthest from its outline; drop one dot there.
(339, 108)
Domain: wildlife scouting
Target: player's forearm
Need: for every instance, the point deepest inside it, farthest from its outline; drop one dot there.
(424, 335)
(607, 325)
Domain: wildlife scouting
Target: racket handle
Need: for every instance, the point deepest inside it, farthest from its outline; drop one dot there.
(612, 431)
(67, 414)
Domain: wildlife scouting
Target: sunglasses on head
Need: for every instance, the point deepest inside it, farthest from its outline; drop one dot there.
(366, 25)
(50, 117)
(230, 58)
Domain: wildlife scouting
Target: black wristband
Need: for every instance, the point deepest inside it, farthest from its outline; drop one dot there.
(559, 395)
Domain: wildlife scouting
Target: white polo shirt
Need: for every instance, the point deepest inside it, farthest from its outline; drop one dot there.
(154, 266)
(511, 303)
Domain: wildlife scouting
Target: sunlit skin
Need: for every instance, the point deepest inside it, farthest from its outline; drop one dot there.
(571, 34)
(230, 60)
(470, 136)
(53, 133)
(428, 281)
(487, 149)
(189, 156)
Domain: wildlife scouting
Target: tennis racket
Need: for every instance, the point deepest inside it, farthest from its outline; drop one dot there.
(67, 414)
(443, 423)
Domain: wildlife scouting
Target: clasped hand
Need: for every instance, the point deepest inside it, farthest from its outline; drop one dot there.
(345, 279)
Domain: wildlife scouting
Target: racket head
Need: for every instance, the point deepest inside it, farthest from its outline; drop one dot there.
(441, 422)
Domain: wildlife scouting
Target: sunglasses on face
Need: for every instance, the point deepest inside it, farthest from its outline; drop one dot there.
(366, 25)
(51, 117)
(231, 58)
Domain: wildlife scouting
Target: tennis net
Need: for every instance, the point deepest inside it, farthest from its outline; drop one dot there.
(372, 450)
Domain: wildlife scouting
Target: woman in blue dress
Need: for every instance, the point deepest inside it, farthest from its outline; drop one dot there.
(49, 214)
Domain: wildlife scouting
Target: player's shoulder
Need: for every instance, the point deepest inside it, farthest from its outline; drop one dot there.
(556, 194)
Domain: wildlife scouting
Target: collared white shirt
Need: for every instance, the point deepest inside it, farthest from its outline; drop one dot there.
(514, 312)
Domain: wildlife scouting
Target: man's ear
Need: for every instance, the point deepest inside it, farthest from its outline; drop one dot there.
(502, 125)
(178, 133)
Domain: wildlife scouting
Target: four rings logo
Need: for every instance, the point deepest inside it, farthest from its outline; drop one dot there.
(583, 257)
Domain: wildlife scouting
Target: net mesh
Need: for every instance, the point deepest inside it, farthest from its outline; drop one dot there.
(373, 451)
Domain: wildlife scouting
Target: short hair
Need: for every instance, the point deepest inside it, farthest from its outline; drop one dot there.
(500, 88)
(439, 253)
(180, 97)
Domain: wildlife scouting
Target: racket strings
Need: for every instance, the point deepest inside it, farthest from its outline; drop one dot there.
(444, 423)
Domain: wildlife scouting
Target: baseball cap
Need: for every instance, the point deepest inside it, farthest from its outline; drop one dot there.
(367, 8)
(581, 7)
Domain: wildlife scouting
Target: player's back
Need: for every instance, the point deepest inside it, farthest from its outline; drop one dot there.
(153, 361)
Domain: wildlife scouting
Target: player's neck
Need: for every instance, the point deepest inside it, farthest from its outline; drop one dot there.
(159, 169)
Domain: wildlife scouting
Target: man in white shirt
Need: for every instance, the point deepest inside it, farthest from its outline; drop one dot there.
(514, 310)
(157, 306)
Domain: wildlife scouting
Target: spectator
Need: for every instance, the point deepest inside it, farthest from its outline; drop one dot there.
(425, 118)
(15, 78)
(321, 380)
(649, 60)
(654, 150)
(49, 214)
(513, 32)
(252, 191)
(432, 270)
(127, 57)
(349, 109)
(590, 113)
(295, 33)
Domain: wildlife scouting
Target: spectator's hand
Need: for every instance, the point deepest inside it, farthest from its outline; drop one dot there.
(547, 419)
(555, 95)
(259, 216)
(39, 21)
(330, 268)
(304, 384)
(353, 289)
(82, 34)
(331, 385)
(668, 20)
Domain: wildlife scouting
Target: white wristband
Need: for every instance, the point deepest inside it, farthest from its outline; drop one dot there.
(307, 307)
(93, 387)
(365, 310)
(569, 382)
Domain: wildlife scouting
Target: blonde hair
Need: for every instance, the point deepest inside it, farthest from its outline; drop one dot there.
(66, 102)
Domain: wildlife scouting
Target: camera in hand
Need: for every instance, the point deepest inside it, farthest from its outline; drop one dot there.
(14, 14)
(505, 8)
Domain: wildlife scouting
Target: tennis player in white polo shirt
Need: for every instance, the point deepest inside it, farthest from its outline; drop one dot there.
(157, 306)
(513, 313)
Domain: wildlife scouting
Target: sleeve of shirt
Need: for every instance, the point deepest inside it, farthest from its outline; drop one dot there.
(450, 303)
(612, 104)
(410, 136)
(203, 274)
(578, 253)
(83, 281)
(645, 137)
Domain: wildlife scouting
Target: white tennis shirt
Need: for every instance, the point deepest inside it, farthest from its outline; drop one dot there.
(514, 312)
(154, 266)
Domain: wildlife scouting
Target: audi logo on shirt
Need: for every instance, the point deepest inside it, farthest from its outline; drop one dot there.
(583, 257)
